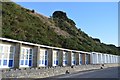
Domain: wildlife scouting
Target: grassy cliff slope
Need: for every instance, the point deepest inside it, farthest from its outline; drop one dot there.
(58, 30)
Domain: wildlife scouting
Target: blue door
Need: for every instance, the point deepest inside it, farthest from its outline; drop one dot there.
(6, 56)
(46, 58)
(80, 56)
(26, 57)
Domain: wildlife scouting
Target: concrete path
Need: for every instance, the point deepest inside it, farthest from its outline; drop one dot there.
(102, 73)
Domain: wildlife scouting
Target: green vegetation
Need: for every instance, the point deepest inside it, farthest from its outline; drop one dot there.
(27, 25)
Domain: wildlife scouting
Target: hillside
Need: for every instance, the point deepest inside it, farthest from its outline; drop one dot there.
(58, 30)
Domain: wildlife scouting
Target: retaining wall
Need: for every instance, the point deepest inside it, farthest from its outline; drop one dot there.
(49, 71)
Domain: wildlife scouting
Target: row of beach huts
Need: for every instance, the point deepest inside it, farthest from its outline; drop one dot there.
(19, 54)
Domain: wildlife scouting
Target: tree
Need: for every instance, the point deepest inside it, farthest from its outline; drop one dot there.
(60, 15)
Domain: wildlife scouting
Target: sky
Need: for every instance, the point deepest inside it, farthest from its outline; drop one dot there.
(65, 0)
(97, 19)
